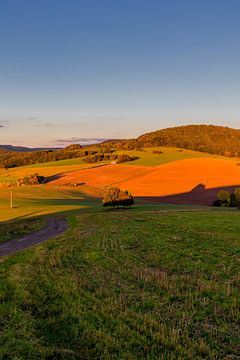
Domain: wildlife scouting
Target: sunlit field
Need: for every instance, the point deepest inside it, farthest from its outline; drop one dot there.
(45, 169)
(146, 158)
(166, 155)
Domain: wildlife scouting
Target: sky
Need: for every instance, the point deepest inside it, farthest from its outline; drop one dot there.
(75, 71)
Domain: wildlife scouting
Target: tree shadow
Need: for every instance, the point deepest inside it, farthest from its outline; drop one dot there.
(199, 195)
(51, 178)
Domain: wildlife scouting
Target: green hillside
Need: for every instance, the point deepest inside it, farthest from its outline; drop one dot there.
(210, 139)
(160, 155)
(206, 138)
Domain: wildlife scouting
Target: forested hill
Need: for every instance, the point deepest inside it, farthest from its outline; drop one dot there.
(212, 139)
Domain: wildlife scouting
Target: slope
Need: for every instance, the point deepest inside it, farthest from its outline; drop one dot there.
(199, 179)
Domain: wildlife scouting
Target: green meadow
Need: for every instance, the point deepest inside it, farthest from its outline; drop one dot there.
(166, 155)
(148, 283)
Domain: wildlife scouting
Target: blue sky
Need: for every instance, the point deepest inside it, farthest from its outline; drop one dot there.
(74, 69)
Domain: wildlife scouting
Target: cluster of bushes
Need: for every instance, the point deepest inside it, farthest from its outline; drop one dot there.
(227, 199)
(34, 179)
(91, 159)
(157, 152)
(115, 197)
(125, 158)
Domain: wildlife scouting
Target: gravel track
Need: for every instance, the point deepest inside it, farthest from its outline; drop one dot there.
(54, 227)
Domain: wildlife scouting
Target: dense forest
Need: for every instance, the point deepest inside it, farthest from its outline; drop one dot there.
(211, 139)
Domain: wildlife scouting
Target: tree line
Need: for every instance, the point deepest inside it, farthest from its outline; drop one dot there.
(11, 159)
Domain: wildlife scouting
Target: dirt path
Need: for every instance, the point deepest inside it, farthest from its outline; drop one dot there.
(54, 227)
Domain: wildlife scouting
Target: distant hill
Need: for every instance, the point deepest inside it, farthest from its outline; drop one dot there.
(211, 139)
(9, 159)
(23, 148)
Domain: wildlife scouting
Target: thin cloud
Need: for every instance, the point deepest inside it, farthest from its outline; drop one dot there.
(81, 141)
(30, 118)
(4, 123)
(44, 125)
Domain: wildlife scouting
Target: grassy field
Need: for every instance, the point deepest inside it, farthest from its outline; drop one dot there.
(32, 201)
(137, 284)
(147, 158)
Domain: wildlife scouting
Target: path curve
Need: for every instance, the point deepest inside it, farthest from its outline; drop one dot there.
(54, 227)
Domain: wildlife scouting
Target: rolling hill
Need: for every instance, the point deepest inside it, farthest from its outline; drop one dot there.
(210, 139)
(168, 175)
(189, 181)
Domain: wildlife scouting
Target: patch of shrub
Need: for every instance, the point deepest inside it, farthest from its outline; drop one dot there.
(233, 202)
(223, 195)
(125, 158)
(237, 193)
(73, 147)
(34, 179)
(92, 159)
(158, 152)
(115, 197)
(225, 199)
(217, 203)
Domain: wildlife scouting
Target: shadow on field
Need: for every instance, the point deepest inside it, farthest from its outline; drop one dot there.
(54, 207)
(49, 179)
(199, 195)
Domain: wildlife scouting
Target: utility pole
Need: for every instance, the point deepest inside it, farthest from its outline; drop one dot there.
(11, 199)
